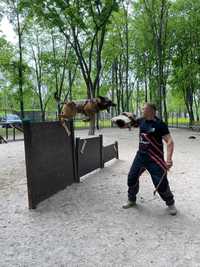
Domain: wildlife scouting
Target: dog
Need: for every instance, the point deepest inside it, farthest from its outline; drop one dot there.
(87, 107)
(125, 120)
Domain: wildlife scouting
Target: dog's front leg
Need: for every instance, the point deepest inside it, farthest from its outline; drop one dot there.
(66, 128)
(63, 122)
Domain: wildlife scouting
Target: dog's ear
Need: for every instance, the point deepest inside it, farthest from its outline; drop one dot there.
(99, 99)
(102, 98)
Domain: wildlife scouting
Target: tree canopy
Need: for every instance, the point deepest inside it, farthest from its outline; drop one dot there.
(132, 51)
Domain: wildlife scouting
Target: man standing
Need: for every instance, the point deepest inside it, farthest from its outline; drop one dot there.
(150, 157)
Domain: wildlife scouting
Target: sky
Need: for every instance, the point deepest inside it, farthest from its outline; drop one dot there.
(7, 30)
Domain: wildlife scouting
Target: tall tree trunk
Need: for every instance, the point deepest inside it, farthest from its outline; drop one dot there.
(98, 65)
(117, 86)
(127, 58)
(150, 84)
(121, 82)
(165, 106)
(92, 125)
(98, 114)
(137, 98)
(20, 68)
(196, 108)
(189, 105)
(160, 82)
(145, 79)
(70, 84)
(113, 88)
(43, 115)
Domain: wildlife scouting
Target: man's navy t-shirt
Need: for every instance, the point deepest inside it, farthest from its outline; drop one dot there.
(151, 133)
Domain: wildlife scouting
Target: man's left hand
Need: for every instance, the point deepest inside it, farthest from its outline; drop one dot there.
(169, 164)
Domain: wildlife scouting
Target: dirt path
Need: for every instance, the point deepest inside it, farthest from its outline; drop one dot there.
(85, 225)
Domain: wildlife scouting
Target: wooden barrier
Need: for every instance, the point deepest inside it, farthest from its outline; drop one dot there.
(54, 160)
(50, 159)
(88, 155)
(110, 152)
(91, 154)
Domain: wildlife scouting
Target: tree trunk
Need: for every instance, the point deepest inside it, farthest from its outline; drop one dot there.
(117, 86)
(20, 68)
(92, 125)
(137, 98)
(98, 114)
(70, 84)
(127, 59)
(165, 106)
(196, 109)
(160, 84)
(145, 79)
(121, 83)
(113, 88)
(43, 115)
(189, 105)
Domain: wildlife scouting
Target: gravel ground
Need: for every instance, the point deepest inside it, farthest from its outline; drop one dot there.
(84, 225)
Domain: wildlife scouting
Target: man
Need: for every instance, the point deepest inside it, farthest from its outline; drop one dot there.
(150, 157)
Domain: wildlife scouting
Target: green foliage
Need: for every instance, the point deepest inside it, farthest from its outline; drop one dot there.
(131, 39)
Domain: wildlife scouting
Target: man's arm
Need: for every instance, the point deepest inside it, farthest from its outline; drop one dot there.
(170, 149)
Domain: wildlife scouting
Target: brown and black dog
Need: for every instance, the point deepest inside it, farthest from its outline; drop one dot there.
(87, 107)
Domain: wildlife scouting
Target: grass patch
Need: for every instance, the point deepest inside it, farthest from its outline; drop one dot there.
(181, 121)
(78, 124)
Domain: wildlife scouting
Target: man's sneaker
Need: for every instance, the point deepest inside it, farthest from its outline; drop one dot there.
(172, 210)
(129, 204)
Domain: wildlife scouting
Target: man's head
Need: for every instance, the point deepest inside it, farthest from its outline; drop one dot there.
(149, 111)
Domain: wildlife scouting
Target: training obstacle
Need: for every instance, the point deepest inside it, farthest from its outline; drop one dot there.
(55, 160)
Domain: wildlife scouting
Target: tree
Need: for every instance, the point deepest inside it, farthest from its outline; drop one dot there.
(11, 9)
(186, 60)
(84, 25)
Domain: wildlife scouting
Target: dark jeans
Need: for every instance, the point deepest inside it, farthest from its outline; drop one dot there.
(141, 163)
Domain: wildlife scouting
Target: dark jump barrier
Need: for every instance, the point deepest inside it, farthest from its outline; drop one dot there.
(88, 155)
(91, 154)
(50, 160)
(55, 160)
(110, 152)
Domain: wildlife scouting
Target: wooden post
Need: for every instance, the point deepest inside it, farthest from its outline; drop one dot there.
(13, 133)
(75, 154)
(27, 145)
(77, 159)
(101, 151)
(117, 150)
(6, 131)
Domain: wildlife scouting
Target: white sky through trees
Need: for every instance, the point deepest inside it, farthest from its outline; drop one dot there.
(7, 30)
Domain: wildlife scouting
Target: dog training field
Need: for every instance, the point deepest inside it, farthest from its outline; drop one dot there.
(85, 225)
